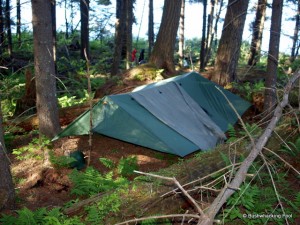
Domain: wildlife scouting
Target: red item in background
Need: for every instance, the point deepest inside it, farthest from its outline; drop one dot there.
(133, 55)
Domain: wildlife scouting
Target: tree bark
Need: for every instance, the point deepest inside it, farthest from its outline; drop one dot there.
(1, 27)
(181, 34)
(271, 79)
(210, 33)
(150, 28)
(204, 38)
(163, 51)
(119, 34)
(7, 191)
(129, 21)
(296, 31)
(257, 32)
(53, 18)
(84, 30)
(47, 108)
(19, 23)
(8, 27)
(231, 39)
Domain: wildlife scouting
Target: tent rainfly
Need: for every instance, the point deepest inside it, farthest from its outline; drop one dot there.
(178, 115)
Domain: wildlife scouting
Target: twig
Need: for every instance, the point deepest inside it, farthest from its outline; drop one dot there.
(191, 199)
(199, 180)
(274, 187)
(160, 217)
(238, 115)
(90, 105)
(278, 156)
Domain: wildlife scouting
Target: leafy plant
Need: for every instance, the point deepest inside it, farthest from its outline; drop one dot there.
(156, 221)
(127, 166)
(253, 129)
(40, 216)
(124, 168)
(231, 133)
(107, 163)
(108, 204)
(92, 182)
(60, 161)
(33, 149)
(291, 148)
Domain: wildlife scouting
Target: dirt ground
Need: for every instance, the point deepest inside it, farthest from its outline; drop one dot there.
(49, 187)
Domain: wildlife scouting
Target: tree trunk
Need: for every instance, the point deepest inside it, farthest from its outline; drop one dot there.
(129, 20)
(210, 33)
(53, 18)
(231, 39)
(1, 26)
(119, 34)
(296, 31)
(7, 191)
(270, 91)
(203, 39)
(218, 16)
(84, 30)
(181, 34)
(47, 108)
(8, 27)
(19, 23)
(150, 28)
(257, 32)
(163, 51)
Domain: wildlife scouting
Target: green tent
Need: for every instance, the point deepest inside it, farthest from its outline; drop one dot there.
(178, 115)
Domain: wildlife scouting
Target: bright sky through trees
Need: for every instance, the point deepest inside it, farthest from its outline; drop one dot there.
(193, 21)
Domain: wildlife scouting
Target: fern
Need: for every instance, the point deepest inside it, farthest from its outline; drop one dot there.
(231, 133)
(98, 212)
(107, 163)
(292, 148)
(92, 182)
(60, 161)
(127, 166)
(297, 200)
(253, 129)
(156, 222)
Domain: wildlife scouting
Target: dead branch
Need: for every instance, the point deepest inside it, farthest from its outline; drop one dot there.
(229, 189)
(160, 217)
(190, 198)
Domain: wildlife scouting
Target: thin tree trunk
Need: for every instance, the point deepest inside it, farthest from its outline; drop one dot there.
(66, 20)
(129, 20)
(8, 27)
(271, 79)
(7, 191)
(203, 39)
(53, 17)
(119, 34)
(181, 34)
(84, 31)
(296, 31)
(19, 23)
(210, 33)
(1, 27)
(47, 109)
(257, 32)
(218, 16)
(150, 28)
